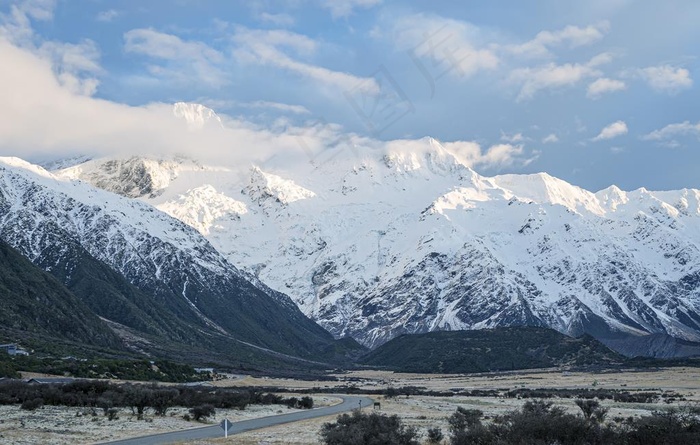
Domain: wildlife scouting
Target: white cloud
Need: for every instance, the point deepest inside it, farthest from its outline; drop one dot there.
(277, 19)
(40, 118)
(294, 109)
(666, 78)
(513, 139)
(550, 139)
(345, 8)
(108, 15)
(501, 155)
(469, 153)
(16, 25)
(604, 85)
(76, 65)
(613, 130)
(570, 36)
(260, 41)
(600, 59)
(186, 61)
(551, 75)
(669, 132)
(264, 47)
(446, 45)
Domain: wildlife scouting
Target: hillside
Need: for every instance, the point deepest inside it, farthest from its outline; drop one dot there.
(36, 304)
(158, 282)
(497, 349)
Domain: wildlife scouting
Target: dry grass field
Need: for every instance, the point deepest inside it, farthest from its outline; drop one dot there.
(70, 426)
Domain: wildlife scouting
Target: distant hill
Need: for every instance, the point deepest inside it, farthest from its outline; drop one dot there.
(661, 346)
(497, 349)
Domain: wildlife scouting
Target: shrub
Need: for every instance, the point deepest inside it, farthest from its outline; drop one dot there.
(32, 404)
(201, 412)
(367, 429)
(592, 411)
(541, 422)
(435, 435)
(467, 429)
(675, 426)
(464, 419)
(112, 414)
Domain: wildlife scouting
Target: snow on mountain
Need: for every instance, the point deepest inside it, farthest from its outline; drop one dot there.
(196, 115)
(374, 242)
(43, 216)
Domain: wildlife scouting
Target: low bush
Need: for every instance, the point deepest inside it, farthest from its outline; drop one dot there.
(540, 422)
(202, 412)
(368, 429)
(435, 436)
(32, 404)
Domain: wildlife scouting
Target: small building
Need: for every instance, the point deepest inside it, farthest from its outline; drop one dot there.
(51, 380)
(204, 370)
(13, 349)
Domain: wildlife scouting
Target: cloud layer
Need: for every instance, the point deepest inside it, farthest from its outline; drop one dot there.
(43, 119)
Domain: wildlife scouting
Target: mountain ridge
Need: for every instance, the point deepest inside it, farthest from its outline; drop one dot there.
(378, 239)
(60, 224)
(36, 303)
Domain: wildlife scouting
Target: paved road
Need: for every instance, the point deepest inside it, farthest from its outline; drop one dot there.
(209, 432)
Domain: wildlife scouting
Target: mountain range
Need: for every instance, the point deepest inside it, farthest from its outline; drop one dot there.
(157, 282)
(371, 242)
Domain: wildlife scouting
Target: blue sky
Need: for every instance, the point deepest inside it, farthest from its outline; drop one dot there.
(596, 92)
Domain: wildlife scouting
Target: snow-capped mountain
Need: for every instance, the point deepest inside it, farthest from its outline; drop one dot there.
(404, 237)
(374, 243)
(196, 115)
(51, 220)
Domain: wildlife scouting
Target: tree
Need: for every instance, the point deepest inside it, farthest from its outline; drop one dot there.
(368, 429)
(163, 399)
(139, 399)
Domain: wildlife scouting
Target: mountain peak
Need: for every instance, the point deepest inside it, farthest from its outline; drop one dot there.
(544, 188)
(267, 185)
(21, 163)
(196, 115)
(612, 197)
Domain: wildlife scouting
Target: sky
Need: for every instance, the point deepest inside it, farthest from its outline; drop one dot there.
(596, 93)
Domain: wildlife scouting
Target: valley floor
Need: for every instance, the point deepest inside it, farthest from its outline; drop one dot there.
(66, 426)
(426, 412)
(71, 425)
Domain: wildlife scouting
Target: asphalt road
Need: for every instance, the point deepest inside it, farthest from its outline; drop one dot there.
(210, 432)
